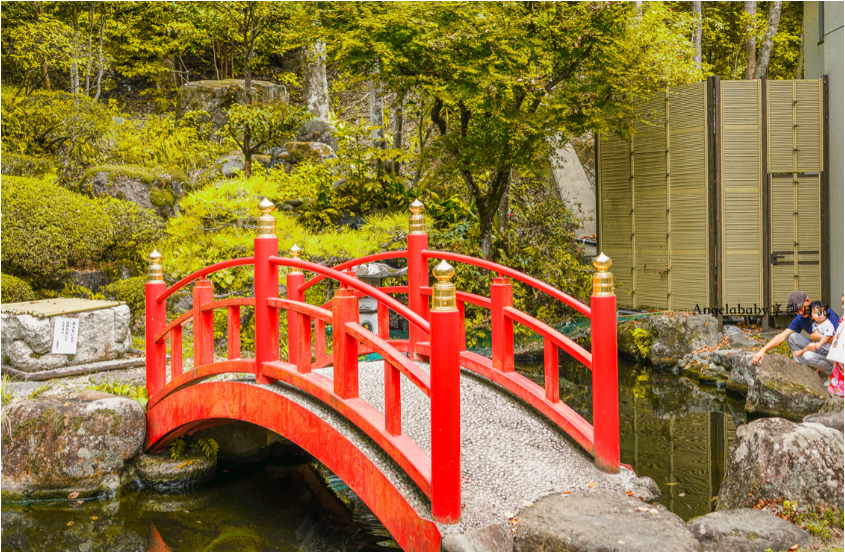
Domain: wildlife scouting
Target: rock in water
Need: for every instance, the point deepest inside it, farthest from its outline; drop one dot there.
(676, 335)
(778, 387)
(777, 459)
(600, 520)
(164, 474)
(53, 447)
(746, 530)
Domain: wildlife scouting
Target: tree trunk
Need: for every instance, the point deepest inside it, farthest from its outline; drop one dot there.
(247, 54)
(45, 74)
(102, 62)
(696, 34)
(398, 129)
(504, 210)
(377, 114)
(762, 68)
(751, 39)
(315, 86)
(486, 218)
(74, 67)
(247, 154)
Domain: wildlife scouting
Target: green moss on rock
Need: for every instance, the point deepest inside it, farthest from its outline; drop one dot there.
(162, 197)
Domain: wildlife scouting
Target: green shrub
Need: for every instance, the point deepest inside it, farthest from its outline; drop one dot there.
(134, 228)
(53, 123)
(15, 289)
(130, 291)
(47, 229)
(21, 165)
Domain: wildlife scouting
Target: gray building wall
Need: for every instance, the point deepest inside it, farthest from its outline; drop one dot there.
(823, 55)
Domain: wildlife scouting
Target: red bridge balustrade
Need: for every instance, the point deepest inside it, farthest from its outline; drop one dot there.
(180, 404)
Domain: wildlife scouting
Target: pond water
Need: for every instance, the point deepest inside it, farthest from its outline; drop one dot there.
(671, 430)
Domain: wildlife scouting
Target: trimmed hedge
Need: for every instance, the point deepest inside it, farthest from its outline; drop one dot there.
(130, 291)
(26, 166)
(47, 229)
(13, 289)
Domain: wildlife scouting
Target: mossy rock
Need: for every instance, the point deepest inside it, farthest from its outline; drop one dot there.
(149, 188)
(633, 340)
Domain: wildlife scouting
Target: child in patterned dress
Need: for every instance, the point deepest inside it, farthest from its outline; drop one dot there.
(837, 357)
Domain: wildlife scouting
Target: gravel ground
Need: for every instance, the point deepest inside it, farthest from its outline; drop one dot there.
(511, 455)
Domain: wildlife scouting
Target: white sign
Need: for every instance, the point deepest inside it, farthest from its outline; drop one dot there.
(65, 336)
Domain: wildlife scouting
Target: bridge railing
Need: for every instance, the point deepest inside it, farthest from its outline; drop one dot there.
(436, 334)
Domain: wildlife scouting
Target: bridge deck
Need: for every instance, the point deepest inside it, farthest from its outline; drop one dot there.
(510, 454)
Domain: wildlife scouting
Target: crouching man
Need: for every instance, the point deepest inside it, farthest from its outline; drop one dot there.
(799, 304)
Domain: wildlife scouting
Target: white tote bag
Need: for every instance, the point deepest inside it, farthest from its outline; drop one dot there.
(837, 348)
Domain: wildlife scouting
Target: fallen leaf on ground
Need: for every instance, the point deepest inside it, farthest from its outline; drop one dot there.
(528, 503)
(73, 495)
(642, 509)
(94, 518)
(653, 511)
(629, 493)
(70, 523)
(793, 548)
(591, 485)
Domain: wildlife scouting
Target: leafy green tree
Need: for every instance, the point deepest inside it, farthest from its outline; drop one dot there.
(256, 127)
(508, 81)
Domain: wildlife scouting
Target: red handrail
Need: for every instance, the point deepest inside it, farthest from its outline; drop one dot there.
(522, 277)
(202, 273)
(355, 262)
(356, 284)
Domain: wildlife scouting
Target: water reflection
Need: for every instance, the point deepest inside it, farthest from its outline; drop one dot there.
(671, 429)
(268, 507)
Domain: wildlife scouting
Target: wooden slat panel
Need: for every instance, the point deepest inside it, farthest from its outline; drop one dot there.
(615, 217)
(780, 137)
(741, 193)
(809, 236)
(808, 133)
(650, 202)
(688, 191)
(783, 238)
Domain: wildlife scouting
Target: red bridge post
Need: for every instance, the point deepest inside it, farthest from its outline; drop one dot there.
(417, 273)
(295, 278)
(501, 327)
(345, 310)
(605, 371)
(203, 323)
(445, 399)
(155, 320)
(266, 287)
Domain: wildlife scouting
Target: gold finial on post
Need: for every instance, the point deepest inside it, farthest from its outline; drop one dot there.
(443, 291)
(417, 221)
(266, 221)
(602, 278)
(155, 271)
(295, 252)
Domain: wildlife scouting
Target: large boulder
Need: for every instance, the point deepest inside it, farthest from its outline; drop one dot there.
(148, 188)
(318, 130)
(777, 386)
(54, 447)
(776, 459)
(746, 530)
(240, 442)
(600, 520)
(677, 334)
(216, 97)
(27, 340)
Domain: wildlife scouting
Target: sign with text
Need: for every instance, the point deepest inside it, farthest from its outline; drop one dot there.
(65, 335)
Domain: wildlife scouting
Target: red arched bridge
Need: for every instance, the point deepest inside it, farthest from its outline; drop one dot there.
(283, 389)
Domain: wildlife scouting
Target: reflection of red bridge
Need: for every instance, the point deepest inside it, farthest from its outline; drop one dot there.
(184, 403)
